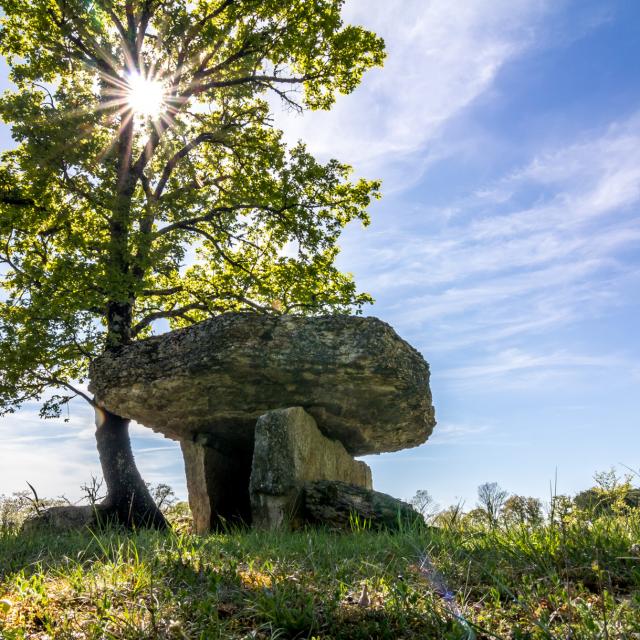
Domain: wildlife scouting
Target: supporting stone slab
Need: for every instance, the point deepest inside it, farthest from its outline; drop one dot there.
(290, 451)
(218, 485)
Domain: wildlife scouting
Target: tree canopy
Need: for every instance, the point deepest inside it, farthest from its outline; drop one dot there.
(113, 216)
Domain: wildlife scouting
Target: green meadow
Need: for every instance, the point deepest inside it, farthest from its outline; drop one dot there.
(573, 574)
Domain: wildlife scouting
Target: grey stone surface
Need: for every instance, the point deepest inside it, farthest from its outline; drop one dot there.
(194, 456)
(290, 451)
(334, 504)
(61, 519)
(363, 384)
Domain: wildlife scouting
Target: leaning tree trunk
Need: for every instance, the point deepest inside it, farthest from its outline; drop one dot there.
(128, 500)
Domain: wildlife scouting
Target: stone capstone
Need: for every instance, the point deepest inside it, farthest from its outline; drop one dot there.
(339, 505)
(290, 451)
(208, 383)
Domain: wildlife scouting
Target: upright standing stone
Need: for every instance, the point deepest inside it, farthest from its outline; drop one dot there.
(218, 485)
(289, 452)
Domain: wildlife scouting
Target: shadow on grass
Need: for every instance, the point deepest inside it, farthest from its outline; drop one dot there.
(280, 585)
(34, 552)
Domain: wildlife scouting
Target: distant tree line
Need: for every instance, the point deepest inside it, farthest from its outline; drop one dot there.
(495, 507)
(611, 494)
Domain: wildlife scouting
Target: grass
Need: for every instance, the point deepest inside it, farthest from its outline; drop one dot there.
(575, 579)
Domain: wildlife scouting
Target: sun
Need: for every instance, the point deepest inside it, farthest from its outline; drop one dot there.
(145, 96)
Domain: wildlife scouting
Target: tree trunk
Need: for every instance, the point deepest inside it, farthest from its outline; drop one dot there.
(128, 500)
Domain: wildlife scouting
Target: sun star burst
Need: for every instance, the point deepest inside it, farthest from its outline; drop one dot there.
(145, 96)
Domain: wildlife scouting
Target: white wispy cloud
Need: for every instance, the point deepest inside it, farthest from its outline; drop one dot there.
(442, 56)
(459, 433)
(536, 249)
(52, 455)
(57, 457)
(508, 364)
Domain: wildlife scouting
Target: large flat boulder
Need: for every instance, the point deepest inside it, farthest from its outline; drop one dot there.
(208, 383)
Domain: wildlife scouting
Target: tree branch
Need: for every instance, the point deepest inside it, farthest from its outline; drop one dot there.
(196, 28)
(147, 13)
(131, 21)
(96, 59)
(181, 312)
(108, 7)
(146, 187)
(17, 201)
(258, 79)
(73, 186)
(195, 185)
(244, 51)
(51, 379)
(217, 211)
(149, 148)
(169, 291)
(254, 305)
(216, 244)
(5, 259)
(171, 164)
(191, 221)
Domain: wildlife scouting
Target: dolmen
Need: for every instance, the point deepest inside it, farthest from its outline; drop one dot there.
(270, 410)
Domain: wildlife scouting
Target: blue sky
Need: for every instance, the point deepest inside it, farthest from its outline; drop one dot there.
(506, 247)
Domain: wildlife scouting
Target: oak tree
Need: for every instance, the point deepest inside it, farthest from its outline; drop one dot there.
(148, 183)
